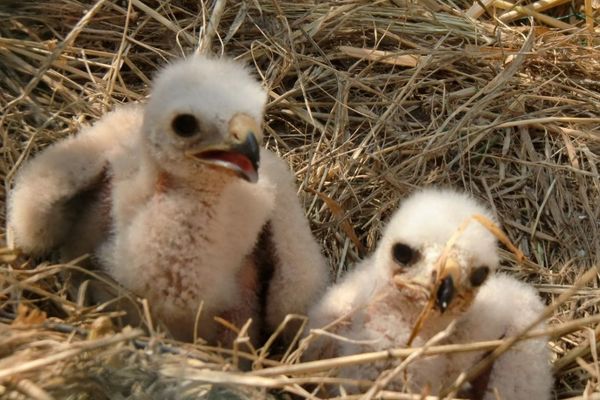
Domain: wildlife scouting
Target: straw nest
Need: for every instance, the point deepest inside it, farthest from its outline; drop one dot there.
(369, 100)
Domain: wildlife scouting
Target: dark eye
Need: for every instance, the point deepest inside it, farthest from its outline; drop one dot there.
(479, 275)
(404, 254)
(185, 125)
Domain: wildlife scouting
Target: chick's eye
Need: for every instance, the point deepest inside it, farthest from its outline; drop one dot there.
(185, 125)
(479, 275)
(404, 254)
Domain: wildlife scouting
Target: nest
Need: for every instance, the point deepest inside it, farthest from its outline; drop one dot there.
(368, 100)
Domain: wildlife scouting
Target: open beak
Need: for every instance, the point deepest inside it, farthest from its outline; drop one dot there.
(446, 289)
(239, 153)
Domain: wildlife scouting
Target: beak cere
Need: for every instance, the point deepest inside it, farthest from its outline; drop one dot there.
(240, 153)
(445, 293)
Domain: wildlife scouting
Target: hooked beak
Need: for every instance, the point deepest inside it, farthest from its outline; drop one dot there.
(445, 293)
(446, 289)
(239, 153)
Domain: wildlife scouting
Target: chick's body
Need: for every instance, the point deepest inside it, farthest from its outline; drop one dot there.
(387, 320)
(184, 245)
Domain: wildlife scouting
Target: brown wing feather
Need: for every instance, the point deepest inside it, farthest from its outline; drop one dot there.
(89, 214)
(265, 260)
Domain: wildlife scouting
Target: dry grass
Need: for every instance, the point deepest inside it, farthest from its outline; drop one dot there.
(368, 101)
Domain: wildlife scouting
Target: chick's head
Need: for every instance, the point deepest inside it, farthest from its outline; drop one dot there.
(205, 115)
(428, 251)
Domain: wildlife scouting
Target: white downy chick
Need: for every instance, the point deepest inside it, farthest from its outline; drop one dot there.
(179, 204)
(377, 305)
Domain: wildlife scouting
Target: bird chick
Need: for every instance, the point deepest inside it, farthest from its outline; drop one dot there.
(427, 255)
(178, 202)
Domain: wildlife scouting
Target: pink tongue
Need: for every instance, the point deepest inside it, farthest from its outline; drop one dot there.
(234, 158)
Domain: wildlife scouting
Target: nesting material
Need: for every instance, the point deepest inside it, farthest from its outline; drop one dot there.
(494, 106)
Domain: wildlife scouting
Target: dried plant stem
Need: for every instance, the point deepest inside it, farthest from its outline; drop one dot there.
(538, 6)
(340, 362)
(55, 54)
(71, 351)
(527, 11)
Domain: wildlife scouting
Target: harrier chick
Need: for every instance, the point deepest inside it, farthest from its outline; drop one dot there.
(179, 203)
(378, 305)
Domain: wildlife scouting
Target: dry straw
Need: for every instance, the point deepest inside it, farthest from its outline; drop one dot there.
(368, 100)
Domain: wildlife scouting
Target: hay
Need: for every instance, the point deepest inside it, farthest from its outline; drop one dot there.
(368, 101)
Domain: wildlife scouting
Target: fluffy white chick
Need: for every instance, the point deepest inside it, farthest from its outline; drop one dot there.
(377, 305)
(179, 204)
